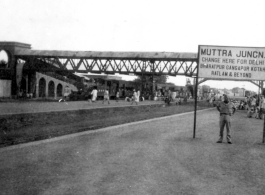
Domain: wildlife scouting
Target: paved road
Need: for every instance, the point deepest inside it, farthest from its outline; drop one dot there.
(153, 157)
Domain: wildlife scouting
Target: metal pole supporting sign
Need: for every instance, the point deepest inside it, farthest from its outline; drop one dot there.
(263, 140)
(196, 95)
(195, 108)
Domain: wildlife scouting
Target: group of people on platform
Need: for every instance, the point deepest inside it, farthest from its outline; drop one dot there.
(255, 106)
(106, 98)
(173, 97)
(134, 97)
(22, 95)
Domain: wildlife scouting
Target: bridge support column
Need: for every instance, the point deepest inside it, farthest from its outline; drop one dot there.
(152, 79)
(9, 72)
(153, 86)
(37, 89)
(47, 88)
(27, 84)
(260, 87)
(55, 91)
(37, 86)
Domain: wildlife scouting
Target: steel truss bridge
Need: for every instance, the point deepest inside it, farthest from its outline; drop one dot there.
(155, 63)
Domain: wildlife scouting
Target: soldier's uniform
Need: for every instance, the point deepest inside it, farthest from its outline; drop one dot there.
(226, 110)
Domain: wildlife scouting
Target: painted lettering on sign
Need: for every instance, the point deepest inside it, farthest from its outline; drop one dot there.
(250, 54)
(235, 63)
(216, 52)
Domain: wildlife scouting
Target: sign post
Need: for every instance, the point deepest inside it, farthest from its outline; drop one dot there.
(196, 97)
(231, 63)
(195, 108)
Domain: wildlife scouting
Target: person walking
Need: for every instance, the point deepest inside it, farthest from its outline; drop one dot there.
(135, 97)
(178, 101)
(117, 96)
(251, 107)
(246, 103)
(257, 111)
(262, 106)
(94, 94)
(173, 96)
(226, 109)
(138, 94)
(106, 96)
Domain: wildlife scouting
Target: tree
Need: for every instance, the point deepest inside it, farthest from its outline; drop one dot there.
(214, 90)
(235, 90)
(145, 81)
(148, 78)
(205, 89)
(226, 91)
(161, 79)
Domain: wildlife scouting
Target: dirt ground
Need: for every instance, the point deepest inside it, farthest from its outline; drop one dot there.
(67, 121)
(155, 157)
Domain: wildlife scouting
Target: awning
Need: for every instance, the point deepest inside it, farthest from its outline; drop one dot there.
(105, 77)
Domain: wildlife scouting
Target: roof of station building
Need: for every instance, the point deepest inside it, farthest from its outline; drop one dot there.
(23, 49)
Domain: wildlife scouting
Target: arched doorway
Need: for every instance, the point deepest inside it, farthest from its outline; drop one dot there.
(59, 90)
(4, 59)
(23, 86)
(42, 87)
(51, 89)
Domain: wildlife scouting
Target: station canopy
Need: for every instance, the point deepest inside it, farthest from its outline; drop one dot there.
(100, 76)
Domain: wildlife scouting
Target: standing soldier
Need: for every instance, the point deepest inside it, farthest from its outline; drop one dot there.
(226, 110)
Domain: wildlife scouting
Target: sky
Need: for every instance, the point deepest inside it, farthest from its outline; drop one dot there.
(135, 25)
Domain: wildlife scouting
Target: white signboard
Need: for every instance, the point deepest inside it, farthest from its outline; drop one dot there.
(231, 63)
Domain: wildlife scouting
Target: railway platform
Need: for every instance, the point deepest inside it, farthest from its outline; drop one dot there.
(26, 107)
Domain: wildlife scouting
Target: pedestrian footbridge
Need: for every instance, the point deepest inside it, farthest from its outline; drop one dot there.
(23, 62)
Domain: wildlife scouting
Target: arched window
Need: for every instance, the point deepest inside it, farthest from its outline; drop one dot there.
(59, 90)
(4, 59)
(42, 87)
(51, 89)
